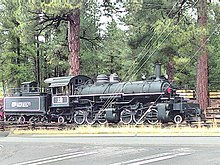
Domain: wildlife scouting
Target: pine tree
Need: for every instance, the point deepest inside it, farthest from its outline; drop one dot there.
(202, 62)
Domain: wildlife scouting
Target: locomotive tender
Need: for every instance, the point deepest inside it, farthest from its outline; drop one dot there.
(77, 99)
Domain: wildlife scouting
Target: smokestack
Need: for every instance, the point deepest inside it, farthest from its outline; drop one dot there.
(158, 71)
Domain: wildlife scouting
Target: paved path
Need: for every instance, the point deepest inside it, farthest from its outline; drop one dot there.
(110, 150)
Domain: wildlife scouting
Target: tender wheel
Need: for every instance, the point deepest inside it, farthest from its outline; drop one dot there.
(126, 116)
(61, 120)
(152, 117)
(34, 119)
(101, 118)
(138, 119)
(90, 118)
(44, 119)
(178, 119)
(79, 117)
(21, 120)
(12, 119)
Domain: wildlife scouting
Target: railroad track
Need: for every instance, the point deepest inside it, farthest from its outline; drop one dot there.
(212, 120)
(54, 126)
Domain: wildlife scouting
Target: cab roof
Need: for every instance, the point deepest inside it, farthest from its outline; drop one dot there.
(64, 81)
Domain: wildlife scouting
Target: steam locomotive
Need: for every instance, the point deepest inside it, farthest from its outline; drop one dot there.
(80, 100)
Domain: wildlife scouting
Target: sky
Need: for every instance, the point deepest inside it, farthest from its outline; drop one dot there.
(104, 20)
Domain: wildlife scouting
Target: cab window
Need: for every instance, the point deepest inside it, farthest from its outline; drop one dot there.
(62, 90)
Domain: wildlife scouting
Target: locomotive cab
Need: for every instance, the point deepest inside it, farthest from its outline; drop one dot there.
(63, 87)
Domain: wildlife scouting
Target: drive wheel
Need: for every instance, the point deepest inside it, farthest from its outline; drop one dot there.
(90, 118)
(152, 117)
(79, 117)
(126, 116)
(101, 118)
(138, 119)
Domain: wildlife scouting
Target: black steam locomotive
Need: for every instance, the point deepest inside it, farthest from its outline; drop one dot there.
(80, 100)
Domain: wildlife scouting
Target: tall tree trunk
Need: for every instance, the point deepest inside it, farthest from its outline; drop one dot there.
(202, 62)
(18, 60)
(170, 68)
(74, 42)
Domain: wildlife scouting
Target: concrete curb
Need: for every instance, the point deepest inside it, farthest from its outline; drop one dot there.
(120, 135)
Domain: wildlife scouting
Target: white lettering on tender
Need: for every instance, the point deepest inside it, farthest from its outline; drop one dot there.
(20, 104)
